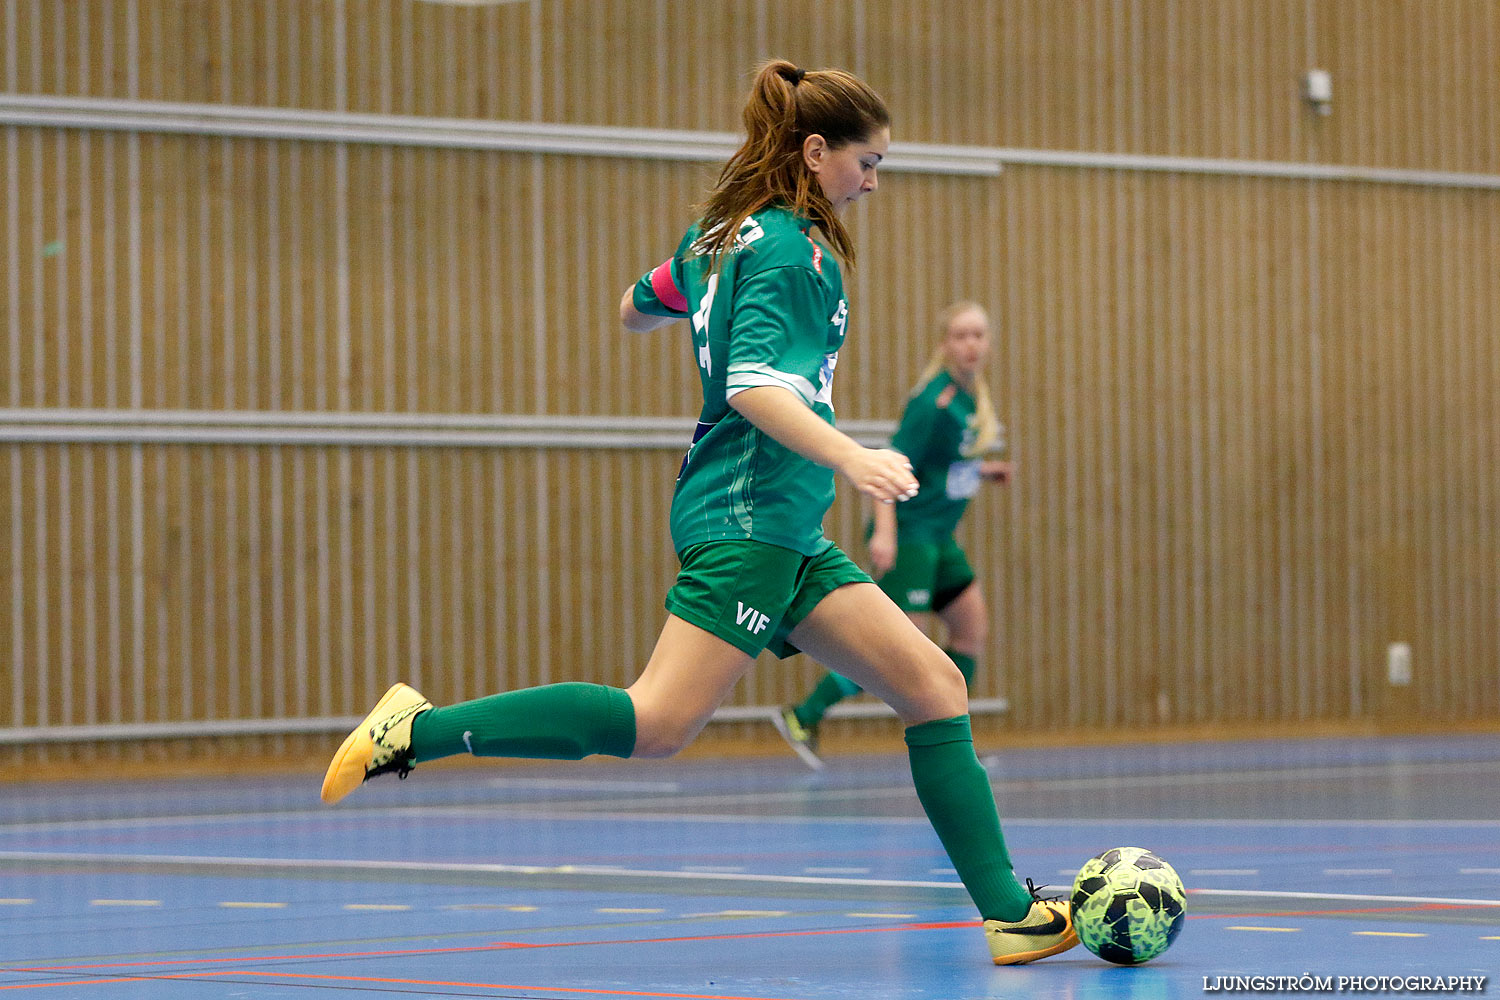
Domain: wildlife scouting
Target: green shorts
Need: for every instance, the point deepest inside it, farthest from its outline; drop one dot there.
(927, 576)
(751, 594)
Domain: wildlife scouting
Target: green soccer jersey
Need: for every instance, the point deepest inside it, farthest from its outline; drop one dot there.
(936, 430)
(773, 314)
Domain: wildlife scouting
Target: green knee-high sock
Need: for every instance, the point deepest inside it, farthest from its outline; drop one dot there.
(956, 794)
(831, 690)
(554, 722)
(965, 664)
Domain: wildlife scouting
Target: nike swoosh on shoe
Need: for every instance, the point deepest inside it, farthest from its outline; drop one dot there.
(1054, 926)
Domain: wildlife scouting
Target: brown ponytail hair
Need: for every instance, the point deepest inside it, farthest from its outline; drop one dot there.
(786, 105)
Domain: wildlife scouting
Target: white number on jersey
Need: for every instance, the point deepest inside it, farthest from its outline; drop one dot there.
(963, 479)
(825, 378)
(700, 324)
(750, 231)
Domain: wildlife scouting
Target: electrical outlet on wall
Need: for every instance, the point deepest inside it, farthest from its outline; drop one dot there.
(1398, 664)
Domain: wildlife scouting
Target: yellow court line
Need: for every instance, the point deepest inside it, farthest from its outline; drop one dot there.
(1387, 934)
(124, 902)
(16, 902)
(1493, 937)
(250, 905)
(629, 909)
(507, 907)
(1278, 930)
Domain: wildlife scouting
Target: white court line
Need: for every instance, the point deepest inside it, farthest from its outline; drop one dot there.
(521, 812)
(1356, 897)
(418, 868)
(1479, 871)
(1117, 781)
(585, 785)
(509, 812)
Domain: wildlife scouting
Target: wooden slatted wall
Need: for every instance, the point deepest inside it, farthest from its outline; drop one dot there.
(1255, 417)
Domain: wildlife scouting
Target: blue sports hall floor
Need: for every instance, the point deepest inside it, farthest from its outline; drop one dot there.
(746, 879)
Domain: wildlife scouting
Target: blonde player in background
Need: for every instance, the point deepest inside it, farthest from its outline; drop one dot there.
(950, 433)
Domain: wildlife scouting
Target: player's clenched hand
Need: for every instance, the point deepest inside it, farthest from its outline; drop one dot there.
(997, 470)
(880, 473)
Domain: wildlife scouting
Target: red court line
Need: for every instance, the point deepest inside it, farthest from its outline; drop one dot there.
(500, 946)
(75, 982)
(103, 982)
(497, 946)
(257, 974)
(504, 986)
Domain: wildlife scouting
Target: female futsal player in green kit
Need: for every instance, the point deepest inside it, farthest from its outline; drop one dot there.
(954, 440)
(768, 317)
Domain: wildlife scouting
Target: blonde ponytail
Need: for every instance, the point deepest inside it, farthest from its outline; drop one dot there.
(989, 432)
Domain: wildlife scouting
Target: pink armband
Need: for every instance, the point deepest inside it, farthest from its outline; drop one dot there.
(666, 289)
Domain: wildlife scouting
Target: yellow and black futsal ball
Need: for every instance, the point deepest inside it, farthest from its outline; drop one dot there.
(1128, 905)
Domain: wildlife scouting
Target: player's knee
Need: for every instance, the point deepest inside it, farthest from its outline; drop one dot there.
(968, 623)
(662, 735)
(940, 691)
(969, 636)
(949, 688)
(657, 748)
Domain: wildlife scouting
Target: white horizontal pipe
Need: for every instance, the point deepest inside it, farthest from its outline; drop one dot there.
(864, 709)
(646, 143)
(335, 418)
(1248, 168)
(367, 429)
(339, 437)
(201, 728)
(406, 130)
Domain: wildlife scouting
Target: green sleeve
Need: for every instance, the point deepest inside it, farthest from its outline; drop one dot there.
(778, 333)
(915, 430)
(661, 282)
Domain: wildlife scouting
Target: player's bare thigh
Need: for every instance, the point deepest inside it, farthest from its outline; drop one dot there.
(690, 673)
(859, 632)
